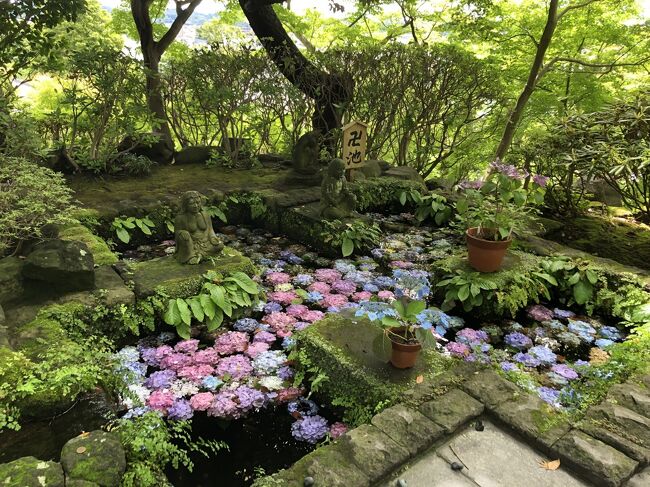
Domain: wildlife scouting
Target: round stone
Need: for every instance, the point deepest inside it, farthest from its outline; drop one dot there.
(308, 482)
(456, 466)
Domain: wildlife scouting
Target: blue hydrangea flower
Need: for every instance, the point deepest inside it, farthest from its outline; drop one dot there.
(383, 282)
(610, 332)
(247, 325)
(313, 297)
(272, 307)
(375, 310)
(583, 329)
(288, 343)
(370, 288)
(303, 280)
(310, 429)
(508, 366)
(267, 363)
(304, 406)
(544, 354)
(549, 395)
(211, 383)
(135, 412)
(603, 343)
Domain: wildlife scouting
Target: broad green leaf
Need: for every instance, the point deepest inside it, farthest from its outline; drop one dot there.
(402, 198)
(547, 277)
(399, 307)
(172, 316)
(347, 247)
(144, 228)
(123, 235)
(245, 282)
(390, 322)
(463, 292)
(574, 279)
(582, 292)
(197, 308)
(208, 306)
(184, 309)
(183, 331)
(592, 277)
(415, 307)
(425, 337)
(216, 321)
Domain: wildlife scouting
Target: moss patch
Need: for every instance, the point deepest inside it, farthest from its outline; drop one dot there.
(616, 239)
(165, 275)
(98, 247)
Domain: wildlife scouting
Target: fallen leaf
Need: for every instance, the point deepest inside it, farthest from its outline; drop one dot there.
(419, 379)
(84, 434)
(550, 465)
(598, 356)
(81, 449)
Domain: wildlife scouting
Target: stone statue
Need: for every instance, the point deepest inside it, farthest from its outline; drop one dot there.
(195, 237)
(306, 153)
(337, 202)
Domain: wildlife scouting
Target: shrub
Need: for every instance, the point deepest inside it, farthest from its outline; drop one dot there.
(30, 197)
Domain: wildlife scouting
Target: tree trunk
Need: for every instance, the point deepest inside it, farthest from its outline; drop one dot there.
(330, 91)
(152, 51)
(533, 77)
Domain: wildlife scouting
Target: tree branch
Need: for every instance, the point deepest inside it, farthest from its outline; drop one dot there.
(182, 14)
(566, 10)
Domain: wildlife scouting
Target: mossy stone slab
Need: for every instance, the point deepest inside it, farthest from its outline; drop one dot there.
(97, 457)
(31, 472)
(408, 428)
(355, 356)
(98, 247)
(452, 410)
(182, 280)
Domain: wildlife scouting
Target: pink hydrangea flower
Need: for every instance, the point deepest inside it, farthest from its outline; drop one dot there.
(320, 287)
(224, 405)
(297, 310)
(278, 319)
(289, 394)
(195, 373)
(386, 295)
(264, 336)
(201, 401)
(333, 300)
(327, 275)
(175, 361)
(401, 264)
(458, 349)
(313, 315)
(231, 342)
(338, 429)
(361, 296)
(160, 400)
(283, 297)
(162, 352)
(347, 288)
(255, 348)
(276, 278)
(187, 346)
(208, 356)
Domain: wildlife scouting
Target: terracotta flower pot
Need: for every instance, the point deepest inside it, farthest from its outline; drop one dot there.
(404, 355)
(485, 255)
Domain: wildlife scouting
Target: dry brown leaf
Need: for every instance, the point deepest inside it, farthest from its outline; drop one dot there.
(419, 379)
(84, 434)
(81, 449)
(598, 356)
(550, 464)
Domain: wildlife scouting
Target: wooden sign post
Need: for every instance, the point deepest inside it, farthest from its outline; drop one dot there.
(355, 140)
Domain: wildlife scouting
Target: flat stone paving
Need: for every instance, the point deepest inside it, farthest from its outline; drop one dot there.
(492, 458)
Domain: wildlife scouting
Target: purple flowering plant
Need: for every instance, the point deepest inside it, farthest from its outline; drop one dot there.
(497, 208)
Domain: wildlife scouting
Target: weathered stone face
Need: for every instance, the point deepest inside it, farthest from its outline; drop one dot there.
(31, 472)
(65, 264)
(96, 457)
(305, 154)
(195, 237)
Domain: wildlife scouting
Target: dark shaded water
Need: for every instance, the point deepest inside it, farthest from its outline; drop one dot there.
(259, 444)
(44, 439)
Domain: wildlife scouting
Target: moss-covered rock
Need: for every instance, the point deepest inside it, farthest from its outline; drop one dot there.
(97, 457)
(354, 356)
(11, 279)
(167, 276)
(98, 247)
(31, 472)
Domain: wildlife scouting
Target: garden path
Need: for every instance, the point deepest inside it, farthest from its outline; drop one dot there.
(491, 458)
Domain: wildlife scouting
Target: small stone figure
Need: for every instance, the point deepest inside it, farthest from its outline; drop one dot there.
(337, 202)
(195, 237)
(306, 153)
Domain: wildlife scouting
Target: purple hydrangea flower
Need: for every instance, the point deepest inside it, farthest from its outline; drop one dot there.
(310, 429)
(180, 410)
(247, 325)
(250, 398)
(565, 371)
(508, 366)
(470, 336)
(272, 307)
(518, 340)
(285, 372)
(563, 314)
(526, 359)
(267, 363)
(236, 366)
(540, 313)
(161, 379)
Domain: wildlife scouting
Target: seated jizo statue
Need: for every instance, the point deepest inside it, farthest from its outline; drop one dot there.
(337, 202)
(195, 237)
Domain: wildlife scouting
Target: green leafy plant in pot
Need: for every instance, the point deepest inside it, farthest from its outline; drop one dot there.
(493, 210)
(401, 324)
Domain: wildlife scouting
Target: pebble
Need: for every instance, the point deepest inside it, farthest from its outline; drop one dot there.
(308, 482)
(456, 466)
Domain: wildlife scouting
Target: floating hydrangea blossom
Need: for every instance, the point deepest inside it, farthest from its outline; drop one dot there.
(310, 429)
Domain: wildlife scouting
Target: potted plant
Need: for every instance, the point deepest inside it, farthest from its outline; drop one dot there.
(494, 209)
(403, 326)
